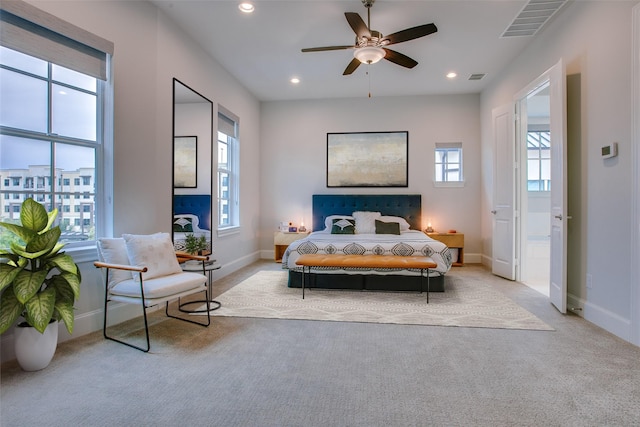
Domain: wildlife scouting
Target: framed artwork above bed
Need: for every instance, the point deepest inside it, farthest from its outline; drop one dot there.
(185, 162)
(368, 159)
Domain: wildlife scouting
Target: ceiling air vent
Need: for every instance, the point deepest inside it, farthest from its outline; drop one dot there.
(477, 76)
(532, 17)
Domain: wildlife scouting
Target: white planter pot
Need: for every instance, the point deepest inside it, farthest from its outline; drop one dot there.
(34, 350)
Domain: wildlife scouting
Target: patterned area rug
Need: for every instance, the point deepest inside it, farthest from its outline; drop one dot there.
(466, 303)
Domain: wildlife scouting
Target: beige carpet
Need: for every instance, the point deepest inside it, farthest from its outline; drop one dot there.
(466, 303)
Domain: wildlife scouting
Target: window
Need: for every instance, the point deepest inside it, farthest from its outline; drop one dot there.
(538, 161)
(448, 163)
(60, 133)
(53, 86)
(53, 82)
(228, 175)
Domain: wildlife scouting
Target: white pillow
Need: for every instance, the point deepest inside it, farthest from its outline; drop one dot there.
(328, 221)
(154, 251)
(114, 251)
(404, 225)
(366, 222)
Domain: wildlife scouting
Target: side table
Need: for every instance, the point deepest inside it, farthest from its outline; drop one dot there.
(209, 267)
(282, 240)
(452, 240)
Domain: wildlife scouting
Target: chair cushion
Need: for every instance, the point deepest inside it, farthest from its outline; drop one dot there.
(160, 287)
(114, 251)
(154, 251)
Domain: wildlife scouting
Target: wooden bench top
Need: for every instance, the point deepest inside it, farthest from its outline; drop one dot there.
(365, 261)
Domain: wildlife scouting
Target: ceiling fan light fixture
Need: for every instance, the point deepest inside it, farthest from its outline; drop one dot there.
(369, 54)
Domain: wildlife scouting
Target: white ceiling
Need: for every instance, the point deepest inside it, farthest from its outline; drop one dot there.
(262, 49)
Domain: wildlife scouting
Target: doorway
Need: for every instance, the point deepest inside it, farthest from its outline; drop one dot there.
(535, 148)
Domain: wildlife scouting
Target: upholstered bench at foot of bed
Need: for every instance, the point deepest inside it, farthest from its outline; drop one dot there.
(422, 263)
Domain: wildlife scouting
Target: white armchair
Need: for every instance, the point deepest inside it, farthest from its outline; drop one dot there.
(144, 270)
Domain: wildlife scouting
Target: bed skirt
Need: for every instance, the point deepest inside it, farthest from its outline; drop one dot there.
(361, 282)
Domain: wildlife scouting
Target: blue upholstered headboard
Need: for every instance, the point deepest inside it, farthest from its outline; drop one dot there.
(408, 206)
(196, 204)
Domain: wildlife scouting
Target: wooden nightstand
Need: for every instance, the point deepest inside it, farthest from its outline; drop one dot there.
(282, 240)
(454, 241)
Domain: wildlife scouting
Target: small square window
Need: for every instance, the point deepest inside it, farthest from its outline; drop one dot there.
(448, 163)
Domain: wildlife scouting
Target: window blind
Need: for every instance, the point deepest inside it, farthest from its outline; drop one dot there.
(29, 30)
(227, 122)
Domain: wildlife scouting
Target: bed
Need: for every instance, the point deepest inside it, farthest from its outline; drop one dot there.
(191, 215)
(331, 212)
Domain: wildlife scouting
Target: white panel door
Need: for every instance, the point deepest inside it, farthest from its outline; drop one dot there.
(559, 216)
(504, 212)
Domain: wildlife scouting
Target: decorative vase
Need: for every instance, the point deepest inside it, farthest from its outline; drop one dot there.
(34, 350)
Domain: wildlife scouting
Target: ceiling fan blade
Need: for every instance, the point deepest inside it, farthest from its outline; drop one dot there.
(411, 33)
(399, 58)
(355, 63)
(357, 24)
(321, 49)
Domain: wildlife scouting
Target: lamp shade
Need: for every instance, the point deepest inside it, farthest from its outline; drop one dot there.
(369, 54)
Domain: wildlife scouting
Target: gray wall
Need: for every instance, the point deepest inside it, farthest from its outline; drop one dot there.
(293, 140)
(598, 65)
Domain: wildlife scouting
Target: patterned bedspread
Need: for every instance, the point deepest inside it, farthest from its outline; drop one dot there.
(408, 243)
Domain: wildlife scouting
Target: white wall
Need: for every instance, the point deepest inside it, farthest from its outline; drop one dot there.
(149, 51)
(594, 41)
(293, 160)
(195, 120)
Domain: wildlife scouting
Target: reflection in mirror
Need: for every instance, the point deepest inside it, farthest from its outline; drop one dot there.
(192, 166)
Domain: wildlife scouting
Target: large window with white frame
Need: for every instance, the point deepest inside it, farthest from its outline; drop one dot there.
(52, 120)
(228, 173)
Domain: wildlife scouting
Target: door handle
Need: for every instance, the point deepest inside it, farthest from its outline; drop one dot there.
(560, 217)
(494, 212)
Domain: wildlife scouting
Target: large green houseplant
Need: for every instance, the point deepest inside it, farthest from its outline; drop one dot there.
(37, 280)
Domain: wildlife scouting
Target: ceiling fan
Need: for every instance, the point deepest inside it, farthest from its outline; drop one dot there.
(370, 46)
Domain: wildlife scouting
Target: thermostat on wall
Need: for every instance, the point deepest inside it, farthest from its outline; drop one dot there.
(610, 150)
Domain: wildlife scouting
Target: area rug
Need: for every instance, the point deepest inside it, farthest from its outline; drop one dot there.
(465, 303)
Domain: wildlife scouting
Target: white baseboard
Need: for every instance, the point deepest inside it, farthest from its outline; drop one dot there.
(472, 258)
(610, 322)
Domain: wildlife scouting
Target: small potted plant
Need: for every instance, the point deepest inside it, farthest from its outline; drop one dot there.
(195, 245)
(38, 282)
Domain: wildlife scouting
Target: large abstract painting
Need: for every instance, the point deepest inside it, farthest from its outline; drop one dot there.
(185, 161)
(368, 159)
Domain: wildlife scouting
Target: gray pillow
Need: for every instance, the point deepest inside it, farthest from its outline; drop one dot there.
(387, 227)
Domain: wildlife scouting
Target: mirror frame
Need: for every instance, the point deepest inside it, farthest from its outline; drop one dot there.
(194, 97)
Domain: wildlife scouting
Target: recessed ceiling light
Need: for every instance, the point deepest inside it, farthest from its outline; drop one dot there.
(246, 7)
(295, 80)
(451, 75)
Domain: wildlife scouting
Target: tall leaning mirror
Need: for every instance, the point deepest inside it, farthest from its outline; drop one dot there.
(192, 167)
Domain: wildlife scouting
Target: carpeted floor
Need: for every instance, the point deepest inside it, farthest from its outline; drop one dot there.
(467, 302)
(244, 371)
